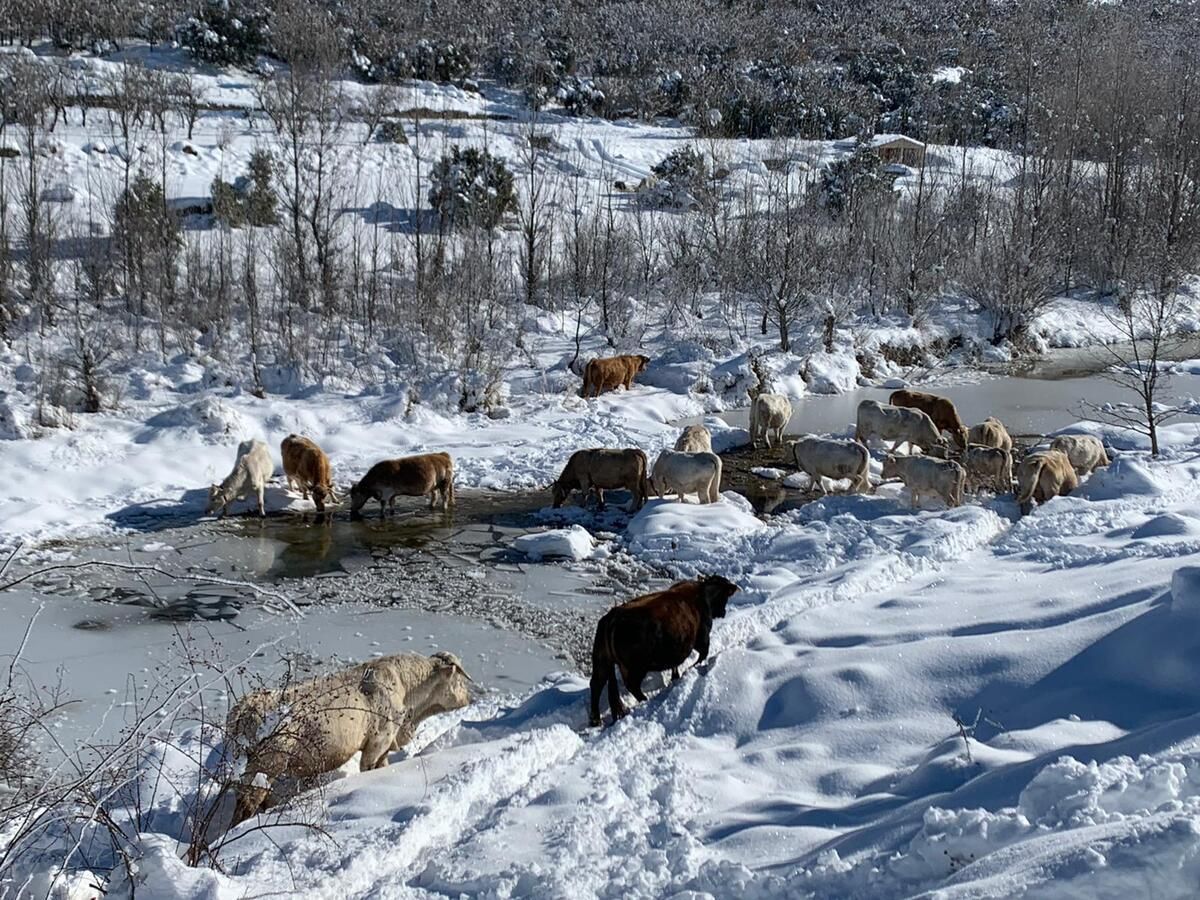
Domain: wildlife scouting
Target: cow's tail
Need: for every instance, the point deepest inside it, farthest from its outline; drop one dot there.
(714, 486)
(587, 376)
(862, 479)
(1025, 496)
(604, 668)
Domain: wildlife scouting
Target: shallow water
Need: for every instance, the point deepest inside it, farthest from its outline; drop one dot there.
(1026, 405)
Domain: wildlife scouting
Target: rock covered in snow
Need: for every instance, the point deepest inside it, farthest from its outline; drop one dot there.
(14, 424)
(1185, 591)
(209, 416)
(831, 373)
(573, 542)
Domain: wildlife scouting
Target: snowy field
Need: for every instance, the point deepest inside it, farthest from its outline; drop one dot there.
(817, 754)
(959, 703)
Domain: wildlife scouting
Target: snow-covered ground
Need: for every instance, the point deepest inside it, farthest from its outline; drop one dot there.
(818, 754)
(899, 702)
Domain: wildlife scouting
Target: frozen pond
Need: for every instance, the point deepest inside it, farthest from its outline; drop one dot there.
(417, 582)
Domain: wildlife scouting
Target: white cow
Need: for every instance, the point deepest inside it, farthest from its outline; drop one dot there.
(687, 473)
(769, 415)
(926, 475)
(822, 458)
(1085, 452)
(695, 439)
(898, 424)
(315, 726)
(251, 471)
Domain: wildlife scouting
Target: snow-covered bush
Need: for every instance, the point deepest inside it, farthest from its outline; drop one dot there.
(391, 131)
(846, 181)
(225, 34)
(580, 96)
(679, 179)
(472, 187)
(250, 200)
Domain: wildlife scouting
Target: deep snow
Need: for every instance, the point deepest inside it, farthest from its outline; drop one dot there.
(817, 754)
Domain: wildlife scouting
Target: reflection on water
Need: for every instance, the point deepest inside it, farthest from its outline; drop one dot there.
(302, 546)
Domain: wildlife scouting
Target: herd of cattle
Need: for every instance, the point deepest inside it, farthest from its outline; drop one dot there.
(953, 456)
(313, 727)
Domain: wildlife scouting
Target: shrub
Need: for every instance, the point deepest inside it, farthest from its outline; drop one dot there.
(679, 179)
(251, 199)
(391, 131)
(847, 181)
(225, 35)
(472, 187)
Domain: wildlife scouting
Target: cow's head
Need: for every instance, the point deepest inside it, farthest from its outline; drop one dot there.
(216, 500)
(359, 495)
(451, 688)
(890, 468)
(717, 591)
(641, 363)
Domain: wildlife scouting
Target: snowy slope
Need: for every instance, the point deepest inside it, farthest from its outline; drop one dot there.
(818, 755)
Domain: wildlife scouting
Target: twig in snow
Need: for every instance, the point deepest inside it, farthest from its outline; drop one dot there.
(136, 567)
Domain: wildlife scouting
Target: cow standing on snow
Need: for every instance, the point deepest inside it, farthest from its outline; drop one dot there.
(822, 458)
(1042, 475)
(609, 373)
(1085, 452)
(654, 633)
(687, 473)
(315, 726)
(926, 475)
(251, 471)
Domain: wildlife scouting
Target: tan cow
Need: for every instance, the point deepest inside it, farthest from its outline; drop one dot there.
(315, 726)
(411, 476)
(940, 409)
(1085, 452)
(604, 374)
(988, 465)
(1042, 475)
(600, 469)
(926, 475)
(695, 439)
(306, 467)
(990, 433)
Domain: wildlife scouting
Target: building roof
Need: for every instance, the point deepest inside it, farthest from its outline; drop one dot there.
(896, 140)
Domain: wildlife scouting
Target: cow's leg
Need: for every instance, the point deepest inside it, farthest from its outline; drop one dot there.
(633, 679)
(675, 674)
(916, 498)
(614, 696)
(599, 677)
(262, 507)
(375, 750)
(382, 507)
(599, 498)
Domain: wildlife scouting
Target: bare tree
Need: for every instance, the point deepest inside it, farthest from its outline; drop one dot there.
(1163, 212)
